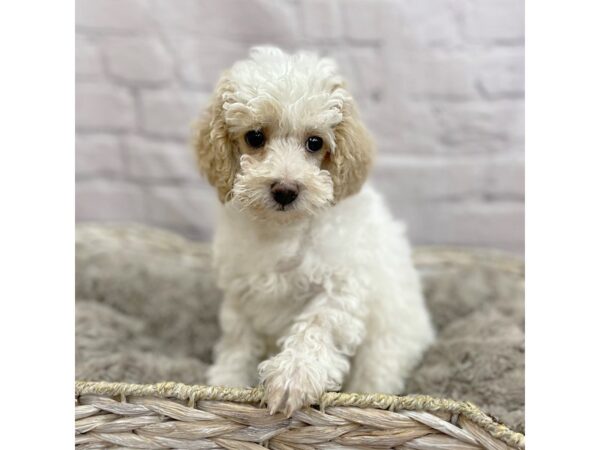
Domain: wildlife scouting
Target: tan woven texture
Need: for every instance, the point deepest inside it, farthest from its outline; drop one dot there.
(175, 415)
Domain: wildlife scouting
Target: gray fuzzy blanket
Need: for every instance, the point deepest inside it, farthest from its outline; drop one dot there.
(147, 304)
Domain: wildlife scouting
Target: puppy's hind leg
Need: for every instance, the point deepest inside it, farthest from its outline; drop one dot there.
(377, 368)
(238, 351)
(387, 356)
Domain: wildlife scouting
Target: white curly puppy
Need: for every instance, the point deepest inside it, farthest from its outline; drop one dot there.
(317, 276)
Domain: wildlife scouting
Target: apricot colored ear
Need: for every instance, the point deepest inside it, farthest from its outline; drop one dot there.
(216, 153)
(350, 162)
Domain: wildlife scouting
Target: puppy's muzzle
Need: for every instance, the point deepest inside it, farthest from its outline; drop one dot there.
(284, 193)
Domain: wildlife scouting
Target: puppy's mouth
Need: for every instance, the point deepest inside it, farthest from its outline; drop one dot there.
(280, 201)
(284, 207)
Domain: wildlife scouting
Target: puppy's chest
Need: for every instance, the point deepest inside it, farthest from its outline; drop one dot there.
(273, 309)
(272, 293)
(272, 277)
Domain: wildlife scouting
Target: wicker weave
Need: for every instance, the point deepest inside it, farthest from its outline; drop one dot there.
(174, 415)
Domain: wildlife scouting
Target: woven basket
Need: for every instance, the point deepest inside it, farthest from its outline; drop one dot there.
(175, 415)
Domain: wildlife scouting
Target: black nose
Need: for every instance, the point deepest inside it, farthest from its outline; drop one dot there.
(283, 193)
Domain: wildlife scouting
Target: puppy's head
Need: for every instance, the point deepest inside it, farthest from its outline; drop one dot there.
(282, 138)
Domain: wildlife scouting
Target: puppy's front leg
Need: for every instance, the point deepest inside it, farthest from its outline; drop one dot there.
(238, 351)
(316, 354)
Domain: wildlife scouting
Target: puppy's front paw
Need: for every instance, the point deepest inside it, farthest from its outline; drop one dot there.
(289, 385)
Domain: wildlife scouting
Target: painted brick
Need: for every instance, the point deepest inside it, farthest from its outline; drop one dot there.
(258, 21)
(121, 15)
(368, 82)
(152, 160)
(431, 23)
(506, 178)
(402, 126)
(190, 209)
(502, 74)
(171, 113)
(346, 61)
(102, 107)
(98, 155)
(88, 64)
(438, 75)
(439, 84)
(108, 200)
(363, 19)
(138, 60)
(478, 125)
(201, 61)
(413, 178)
(321, 20)
(409, 179)
(465, 223)
(501, 21)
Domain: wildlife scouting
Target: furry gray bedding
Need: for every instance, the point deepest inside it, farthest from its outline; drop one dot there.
(147, 304)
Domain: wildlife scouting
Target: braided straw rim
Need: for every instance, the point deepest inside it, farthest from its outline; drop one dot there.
(424, 257)
(193, 394)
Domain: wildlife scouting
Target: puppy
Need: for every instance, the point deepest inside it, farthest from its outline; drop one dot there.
(320, 293)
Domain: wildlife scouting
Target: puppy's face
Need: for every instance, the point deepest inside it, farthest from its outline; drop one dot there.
(282, 139)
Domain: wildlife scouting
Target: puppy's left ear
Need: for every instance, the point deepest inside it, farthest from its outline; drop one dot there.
(351, 160)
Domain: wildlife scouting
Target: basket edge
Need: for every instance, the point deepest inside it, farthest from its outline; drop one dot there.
(194, 393)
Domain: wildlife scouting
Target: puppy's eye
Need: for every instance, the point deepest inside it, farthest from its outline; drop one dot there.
(314, 144)
(255, 138)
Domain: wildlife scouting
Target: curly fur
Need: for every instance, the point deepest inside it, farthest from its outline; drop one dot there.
(217, 157)
(320, 294)
(349, 165)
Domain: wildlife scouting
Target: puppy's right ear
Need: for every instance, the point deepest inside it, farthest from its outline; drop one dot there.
(215, 151)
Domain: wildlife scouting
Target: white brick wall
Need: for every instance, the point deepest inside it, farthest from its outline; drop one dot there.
(440, 84)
